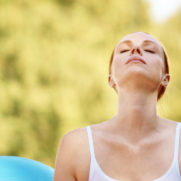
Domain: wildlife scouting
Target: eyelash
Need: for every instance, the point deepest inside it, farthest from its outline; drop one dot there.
(144, 50)
(123, 51)
(150, 51)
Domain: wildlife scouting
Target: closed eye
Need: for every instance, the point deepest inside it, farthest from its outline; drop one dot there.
(122, 51)
(150, 51)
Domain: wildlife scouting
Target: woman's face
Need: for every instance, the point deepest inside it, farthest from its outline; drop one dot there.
(138, 45)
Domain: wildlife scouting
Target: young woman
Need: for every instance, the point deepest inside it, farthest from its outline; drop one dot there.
(136, 144)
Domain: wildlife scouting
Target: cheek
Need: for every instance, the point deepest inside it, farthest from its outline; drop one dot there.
(157, 67)
(117, 65)
(118, 62)
(160, 64)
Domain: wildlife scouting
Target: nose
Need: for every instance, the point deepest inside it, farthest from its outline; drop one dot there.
(136, 50)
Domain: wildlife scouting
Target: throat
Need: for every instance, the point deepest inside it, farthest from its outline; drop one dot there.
(135, 126)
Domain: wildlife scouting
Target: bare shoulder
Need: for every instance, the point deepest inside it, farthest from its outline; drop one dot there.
(179, 154)
(179, 157)
(74, 137)
(72, 155)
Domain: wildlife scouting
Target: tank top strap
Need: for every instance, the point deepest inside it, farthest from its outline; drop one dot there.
(90, 139)
(177, 138)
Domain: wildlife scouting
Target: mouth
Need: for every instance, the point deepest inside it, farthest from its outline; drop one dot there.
(136, 59)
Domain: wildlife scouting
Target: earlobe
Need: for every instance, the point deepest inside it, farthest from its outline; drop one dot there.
(166, 79)
(111, 81)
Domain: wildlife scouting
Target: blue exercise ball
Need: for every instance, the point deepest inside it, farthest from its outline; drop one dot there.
(13, 168)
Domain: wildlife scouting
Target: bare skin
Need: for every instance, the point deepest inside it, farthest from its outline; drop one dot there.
(130, 146)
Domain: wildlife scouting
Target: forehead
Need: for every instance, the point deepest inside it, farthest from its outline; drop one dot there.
(138, 38)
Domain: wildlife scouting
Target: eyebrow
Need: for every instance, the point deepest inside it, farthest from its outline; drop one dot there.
(144, 42)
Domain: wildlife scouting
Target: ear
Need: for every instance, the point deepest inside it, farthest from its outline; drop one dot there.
(111, 81)
(165, 79)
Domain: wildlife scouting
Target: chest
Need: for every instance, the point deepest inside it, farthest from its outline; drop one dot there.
(123, 162)
(129, 163)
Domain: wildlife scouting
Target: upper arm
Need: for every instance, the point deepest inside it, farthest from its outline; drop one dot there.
(179, 157)
(65, 159)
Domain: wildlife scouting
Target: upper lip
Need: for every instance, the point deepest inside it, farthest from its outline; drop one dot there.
(135, 58)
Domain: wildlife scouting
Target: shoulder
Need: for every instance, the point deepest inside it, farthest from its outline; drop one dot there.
(71, 141)
(179, 156)
(74, 138)
(73, 149)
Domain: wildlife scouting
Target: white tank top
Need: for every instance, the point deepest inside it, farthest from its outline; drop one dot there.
(97, 174)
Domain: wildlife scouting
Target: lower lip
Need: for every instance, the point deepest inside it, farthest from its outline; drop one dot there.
(136, 61)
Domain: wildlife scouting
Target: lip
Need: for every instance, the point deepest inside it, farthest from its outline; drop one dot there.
(136, 59)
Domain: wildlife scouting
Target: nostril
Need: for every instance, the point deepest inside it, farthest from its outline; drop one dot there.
(137, 51)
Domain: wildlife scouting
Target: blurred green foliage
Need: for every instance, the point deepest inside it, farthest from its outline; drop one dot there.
(54, 57)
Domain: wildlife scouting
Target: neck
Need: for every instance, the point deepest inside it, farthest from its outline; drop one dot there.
(137, 114)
